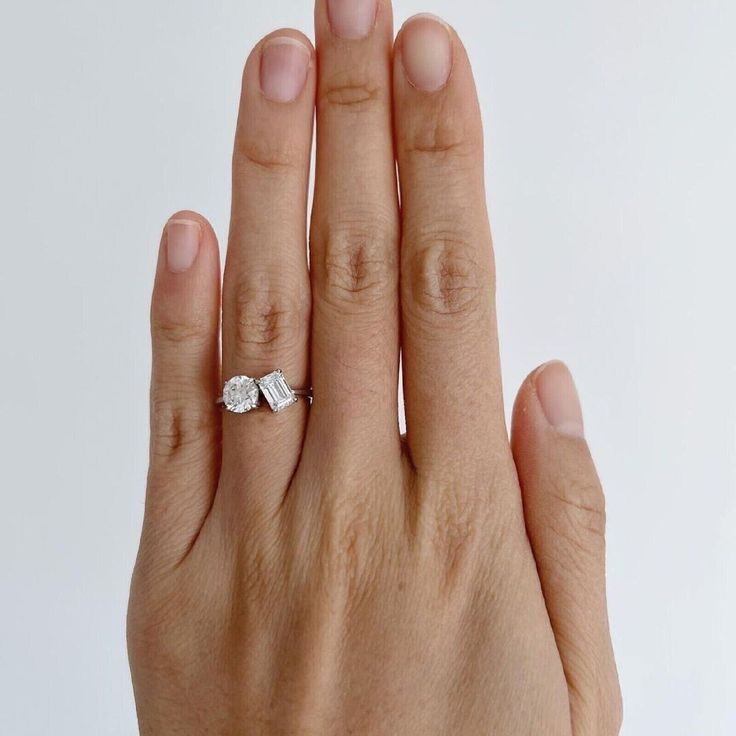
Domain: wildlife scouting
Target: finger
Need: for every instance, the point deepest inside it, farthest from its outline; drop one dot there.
(450, 355)
(185, 424)
(266, 285)
(564, 510)
(354, 237)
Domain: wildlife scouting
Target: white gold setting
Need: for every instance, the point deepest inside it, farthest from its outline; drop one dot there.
(242, 394)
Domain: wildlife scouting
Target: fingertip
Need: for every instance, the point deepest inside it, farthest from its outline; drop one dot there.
(186, 287)
(549, 446)
(549, 398)
(348, 20)
(276, 106)
(290, 36)
(558, 397)
(182, 241)
(188, 243)
(435, 97)
(425, 47)
(430, 58)
(279, 66)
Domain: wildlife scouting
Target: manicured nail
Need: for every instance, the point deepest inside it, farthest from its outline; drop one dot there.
(182, 244)
(284, 67)
(559, 399)
(352, 19)
(426, 52)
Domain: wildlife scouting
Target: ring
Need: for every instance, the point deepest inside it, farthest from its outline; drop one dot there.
(242, 394)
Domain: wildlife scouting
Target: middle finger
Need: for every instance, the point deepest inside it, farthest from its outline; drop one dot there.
(266, 284)
(354, 243)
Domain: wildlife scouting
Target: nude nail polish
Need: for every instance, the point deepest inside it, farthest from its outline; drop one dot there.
(426, 52)
(182, 244)
(559, 399)
(352, 19)
(284, 67)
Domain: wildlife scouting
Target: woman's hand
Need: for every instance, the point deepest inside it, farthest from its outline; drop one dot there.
(311, 572)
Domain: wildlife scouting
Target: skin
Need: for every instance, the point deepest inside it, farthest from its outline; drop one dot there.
(313, 572)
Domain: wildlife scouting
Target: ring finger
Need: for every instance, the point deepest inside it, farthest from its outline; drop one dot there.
(266, 296)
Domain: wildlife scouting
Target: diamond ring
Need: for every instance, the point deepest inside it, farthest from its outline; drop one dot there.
(242, 394)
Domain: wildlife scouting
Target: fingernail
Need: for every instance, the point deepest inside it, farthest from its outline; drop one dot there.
(352, 19)
(284, 66)
(426, 52)
(559, 399)
(182, 244)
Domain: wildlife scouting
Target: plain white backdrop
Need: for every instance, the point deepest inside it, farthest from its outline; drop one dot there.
(611, 131)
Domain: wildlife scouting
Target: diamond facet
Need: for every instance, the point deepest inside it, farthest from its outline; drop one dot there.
(277, 391)
(240, 394)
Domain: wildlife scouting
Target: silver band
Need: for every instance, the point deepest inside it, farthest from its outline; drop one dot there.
(305, 393)
(242, 394)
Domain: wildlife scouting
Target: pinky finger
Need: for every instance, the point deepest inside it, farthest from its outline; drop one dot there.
(185, 422)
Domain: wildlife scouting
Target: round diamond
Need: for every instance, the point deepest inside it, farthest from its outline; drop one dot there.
(240, 394)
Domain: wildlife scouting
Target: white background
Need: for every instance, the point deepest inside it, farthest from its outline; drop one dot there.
(611, 131)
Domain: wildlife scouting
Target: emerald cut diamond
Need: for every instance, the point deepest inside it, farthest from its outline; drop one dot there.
(240, 394)
(277, 391)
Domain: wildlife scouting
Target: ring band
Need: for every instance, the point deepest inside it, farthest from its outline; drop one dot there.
(242, 394)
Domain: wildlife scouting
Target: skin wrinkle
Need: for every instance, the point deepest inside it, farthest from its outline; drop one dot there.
(356, 96)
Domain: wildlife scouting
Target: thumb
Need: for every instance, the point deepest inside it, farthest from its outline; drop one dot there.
(564, 510)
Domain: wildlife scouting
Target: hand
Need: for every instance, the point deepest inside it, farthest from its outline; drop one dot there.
(311, 572)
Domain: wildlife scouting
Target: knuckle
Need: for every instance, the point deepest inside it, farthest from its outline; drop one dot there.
(259, 580)
(266, 155)
(359, 262)
(444, 275)
(470, 528)
(349, 543)
(458, 526)
(582, 505)
(442, 134)
(194, 332)
(176, 425)
(268, 319)
(456, 539)
(346, 91)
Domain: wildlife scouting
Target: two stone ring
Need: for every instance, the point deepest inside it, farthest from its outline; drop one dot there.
(242, 394)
